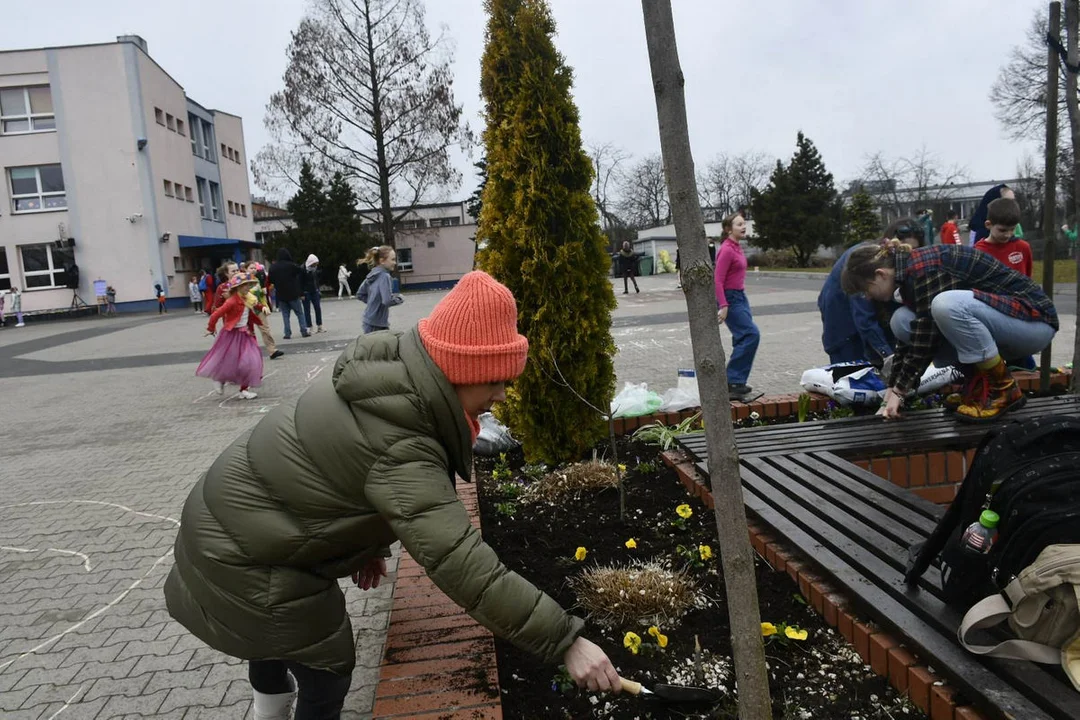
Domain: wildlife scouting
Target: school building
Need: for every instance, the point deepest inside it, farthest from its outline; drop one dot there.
(112, 174)
(435, 242)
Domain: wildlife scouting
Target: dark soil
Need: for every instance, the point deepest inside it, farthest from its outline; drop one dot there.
(820, 678)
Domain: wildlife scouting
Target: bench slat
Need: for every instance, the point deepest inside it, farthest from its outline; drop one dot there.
(978, 682)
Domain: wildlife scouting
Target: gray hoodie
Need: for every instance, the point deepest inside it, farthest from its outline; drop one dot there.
(376, 292)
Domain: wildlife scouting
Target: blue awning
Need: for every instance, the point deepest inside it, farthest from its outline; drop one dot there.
(197, 241)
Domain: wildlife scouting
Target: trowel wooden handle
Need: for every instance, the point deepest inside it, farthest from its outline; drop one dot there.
(629, 686)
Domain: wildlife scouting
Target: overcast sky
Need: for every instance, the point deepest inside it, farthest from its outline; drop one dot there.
(857, 77)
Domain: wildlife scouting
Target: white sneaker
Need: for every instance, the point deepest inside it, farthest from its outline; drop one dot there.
(273, 707)
(219, 387)
(24, 325)
(247, 395)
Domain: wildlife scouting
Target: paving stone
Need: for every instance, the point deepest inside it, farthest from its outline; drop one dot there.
(141, 705)
(190, 696)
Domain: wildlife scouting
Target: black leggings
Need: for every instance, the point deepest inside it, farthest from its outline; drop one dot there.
(321, 693)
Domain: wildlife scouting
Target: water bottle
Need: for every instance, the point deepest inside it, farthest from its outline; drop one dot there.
(687, 381)
(979, 535)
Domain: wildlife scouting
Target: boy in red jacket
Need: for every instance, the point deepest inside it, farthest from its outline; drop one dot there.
(1002, 217)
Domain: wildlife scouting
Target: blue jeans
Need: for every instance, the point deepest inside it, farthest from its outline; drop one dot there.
(313, 298)
(745, 337)
(287, 306)
(973, 331)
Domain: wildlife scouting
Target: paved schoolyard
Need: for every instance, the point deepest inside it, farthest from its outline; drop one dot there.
(103, 430)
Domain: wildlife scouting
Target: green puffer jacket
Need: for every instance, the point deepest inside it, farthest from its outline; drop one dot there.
(321, 486)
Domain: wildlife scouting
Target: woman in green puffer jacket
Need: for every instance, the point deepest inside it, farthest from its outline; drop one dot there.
(321, 488)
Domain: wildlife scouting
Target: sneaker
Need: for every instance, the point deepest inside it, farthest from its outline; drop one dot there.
(739, 391)
(287, 337)
(994, 393)
(20, 324)
(320, 329)
(307, 334)
(246, 395)
(276, 354)
(219, 387)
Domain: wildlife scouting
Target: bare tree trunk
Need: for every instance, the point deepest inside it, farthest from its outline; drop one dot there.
(380, 139)
(697, 282)
(1072, 30)
(1050, 207)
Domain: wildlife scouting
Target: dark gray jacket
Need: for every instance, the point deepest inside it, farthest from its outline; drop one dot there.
(376, 291)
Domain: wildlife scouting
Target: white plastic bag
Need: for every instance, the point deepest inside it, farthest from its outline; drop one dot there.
(635, 400)
(861, 384)
(494, 437)
(685, 395)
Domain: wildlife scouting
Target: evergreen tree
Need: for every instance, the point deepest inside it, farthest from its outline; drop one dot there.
(800, 210)
(340, 207)
(308, 205)
(476, 201)
(861, 219)
(543, 234)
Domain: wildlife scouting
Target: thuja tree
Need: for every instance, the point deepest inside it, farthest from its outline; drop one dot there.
(541, 236)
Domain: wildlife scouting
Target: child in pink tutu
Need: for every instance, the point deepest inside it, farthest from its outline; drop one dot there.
(235, 356)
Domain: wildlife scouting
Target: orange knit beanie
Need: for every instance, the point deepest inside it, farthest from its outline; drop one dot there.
(472, 333)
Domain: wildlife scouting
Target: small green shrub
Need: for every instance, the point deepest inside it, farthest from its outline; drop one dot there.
(506, 509)
(660, 434)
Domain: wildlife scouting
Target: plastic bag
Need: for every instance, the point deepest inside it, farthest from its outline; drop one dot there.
(862, 384)
(684, 396)
(635, 400)
(494, 437)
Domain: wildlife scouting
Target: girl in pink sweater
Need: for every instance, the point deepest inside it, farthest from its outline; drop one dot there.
(734, 307)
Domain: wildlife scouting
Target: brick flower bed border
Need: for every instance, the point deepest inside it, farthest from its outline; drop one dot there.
(882, 651)
(774, 406)
(436, 656)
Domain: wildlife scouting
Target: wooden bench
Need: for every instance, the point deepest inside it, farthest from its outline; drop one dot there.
(857, 527)
(864, 437)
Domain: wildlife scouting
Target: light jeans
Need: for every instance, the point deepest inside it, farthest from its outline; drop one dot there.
(974, 331)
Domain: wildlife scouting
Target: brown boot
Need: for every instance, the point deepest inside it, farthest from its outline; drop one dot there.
(994, 394)
(955, 399)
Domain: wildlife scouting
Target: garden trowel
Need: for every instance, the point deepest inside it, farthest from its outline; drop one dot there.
(670, 693)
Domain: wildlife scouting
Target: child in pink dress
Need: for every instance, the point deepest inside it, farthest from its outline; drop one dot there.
(235, 356)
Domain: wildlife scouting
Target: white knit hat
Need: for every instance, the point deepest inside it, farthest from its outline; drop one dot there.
(311, 260)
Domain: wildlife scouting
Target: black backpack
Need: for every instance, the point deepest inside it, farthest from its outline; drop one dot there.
(1029, 474)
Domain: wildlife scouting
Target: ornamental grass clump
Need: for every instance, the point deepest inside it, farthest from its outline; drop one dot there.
(573, 482)
(635, 594)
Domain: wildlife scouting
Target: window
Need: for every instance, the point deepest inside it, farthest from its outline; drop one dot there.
(159, 116)
(225, 151)
(404, 259)
(179, 126)
(26, 110)
(445, 221)
(243, 210)
(36, 189)
(44, 266)
(431, 243)
(187, 194)
(5, 274)
(236, 156)
(231, 208)
(215, 201)
(410, 224)
(207, 141)
(200, 185)
(179, 191)
(168, 189)
(170, 122)
(194, 125)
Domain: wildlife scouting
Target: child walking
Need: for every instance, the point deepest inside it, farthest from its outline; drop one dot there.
(195, 295)
(960, 307)
(110, 300)
(376, 290)
(235, 356)
(159, 292)
(16, 306)
(734, 307)
(343, 289)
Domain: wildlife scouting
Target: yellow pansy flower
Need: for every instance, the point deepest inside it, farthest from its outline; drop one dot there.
(631, 543)
(684, 511)
(622, 468)
(767, 629)
(580, 554)
(661, 639)
(705, 552)
(632, 642)
(795, 633)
